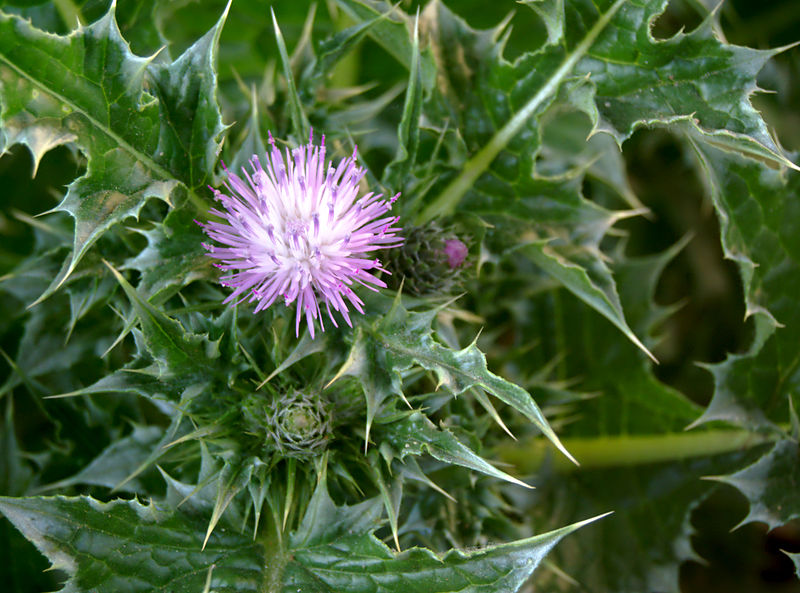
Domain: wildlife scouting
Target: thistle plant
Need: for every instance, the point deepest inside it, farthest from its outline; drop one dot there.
(371, 297)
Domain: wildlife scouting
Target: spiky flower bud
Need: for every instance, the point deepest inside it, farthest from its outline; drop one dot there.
(431, 260)
(298, 424)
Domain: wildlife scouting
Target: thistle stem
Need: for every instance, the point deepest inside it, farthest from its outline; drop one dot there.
(446, 202)
(625, 450)
(276, 556)
(70, 13)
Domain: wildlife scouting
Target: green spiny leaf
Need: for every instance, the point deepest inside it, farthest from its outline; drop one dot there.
(87, 87)
(128, 546)
(694, 76)
(393, 34)
(324, 522)
(771, 485)
(234, 476)
(176, 351)
(415, 435)
(795, 558)
(398, 170)
(125, 545)
(757, 210)
(253, 143)
(639, 81)
(16, 475)
(552, 15)
(174, 255)
(332, 551)
(362, 563)
(300, 123)
(403, 339)
(531, 82)
(114, 463)
(191, 132)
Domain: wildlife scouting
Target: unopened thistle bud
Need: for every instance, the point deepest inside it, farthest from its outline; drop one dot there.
(298, 424)
(431, 260)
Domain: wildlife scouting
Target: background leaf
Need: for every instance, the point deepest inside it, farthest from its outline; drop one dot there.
(757, 219)
(57, 89)
(90, 89)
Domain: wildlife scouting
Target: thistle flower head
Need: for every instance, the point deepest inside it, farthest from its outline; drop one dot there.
(431, 260)
(296, 228)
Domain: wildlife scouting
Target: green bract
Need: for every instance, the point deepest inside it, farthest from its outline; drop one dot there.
(591, 206)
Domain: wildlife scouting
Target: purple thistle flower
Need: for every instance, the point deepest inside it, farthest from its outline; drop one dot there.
(296, 228)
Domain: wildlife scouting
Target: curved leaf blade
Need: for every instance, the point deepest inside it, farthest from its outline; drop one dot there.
(355, 564)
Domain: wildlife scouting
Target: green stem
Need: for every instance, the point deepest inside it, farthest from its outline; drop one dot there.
(276, 556)
(70, 13)
(446, 202)
(625, 450)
